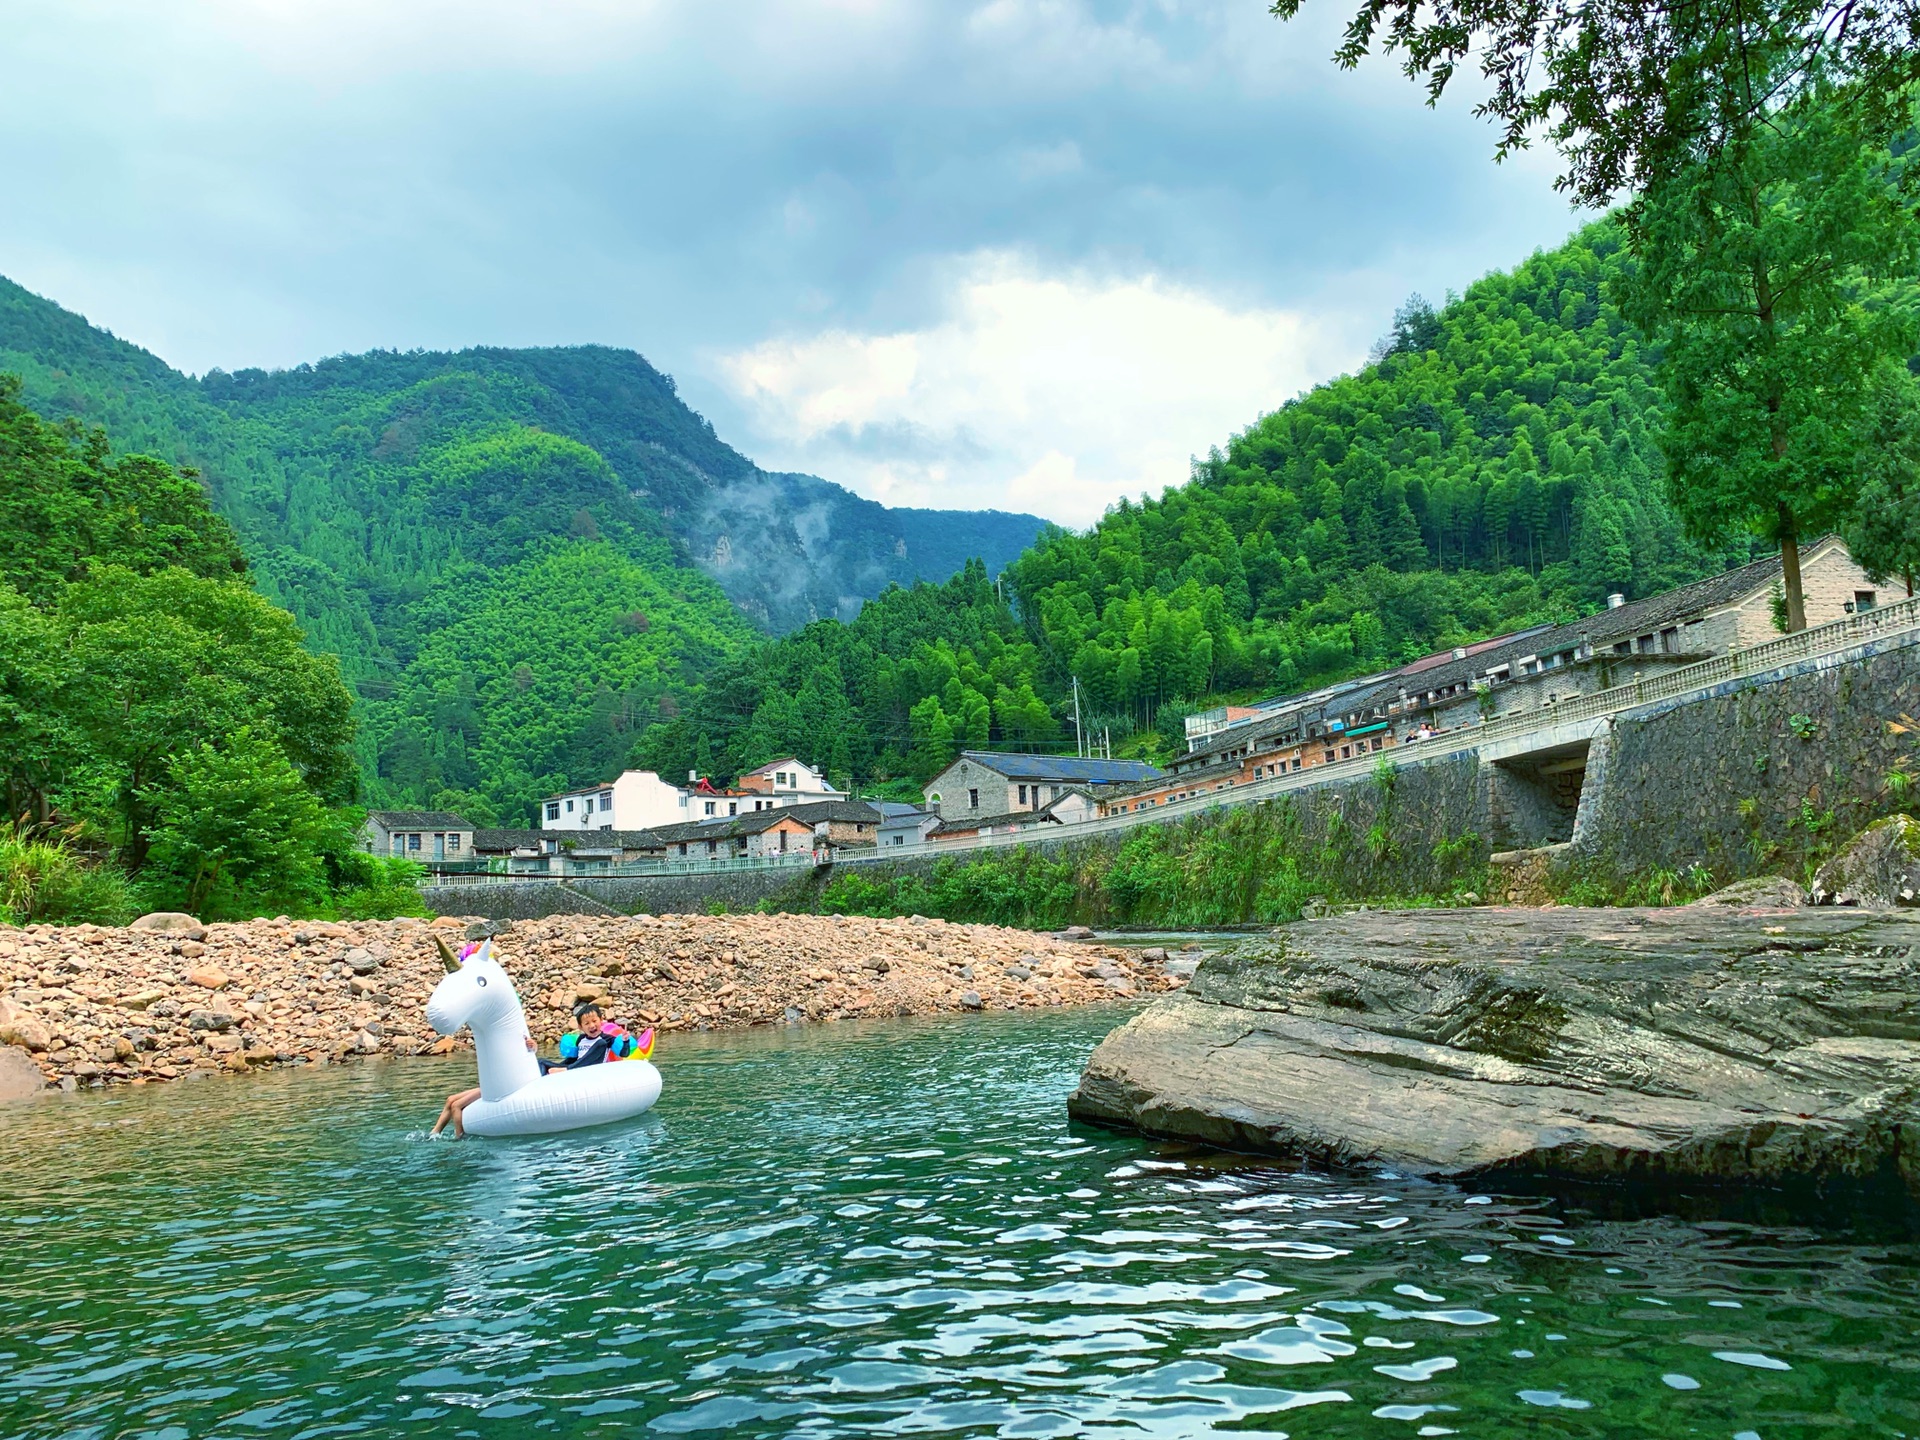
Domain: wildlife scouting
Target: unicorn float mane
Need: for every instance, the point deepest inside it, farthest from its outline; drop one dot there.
(478, 993)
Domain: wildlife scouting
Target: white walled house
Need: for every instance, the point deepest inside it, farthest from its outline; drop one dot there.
(781, 783)
(635, 800)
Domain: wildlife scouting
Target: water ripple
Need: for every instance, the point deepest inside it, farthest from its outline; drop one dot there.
(867, 1230)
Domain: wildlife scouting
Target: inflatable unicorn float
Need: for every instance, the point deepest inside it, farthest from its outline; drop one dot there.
(515, 1098)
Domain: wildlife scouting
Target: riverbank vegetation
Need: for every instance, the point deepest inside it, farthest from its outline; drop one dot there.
(166, 739)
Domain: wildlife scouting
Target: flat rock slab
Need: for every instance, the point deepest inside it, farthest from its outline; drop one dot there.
(1680, 1045)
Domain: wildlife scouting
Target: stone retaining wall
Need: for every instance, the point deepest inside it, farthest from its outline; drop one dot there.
(1728, 780)
(1720, 780)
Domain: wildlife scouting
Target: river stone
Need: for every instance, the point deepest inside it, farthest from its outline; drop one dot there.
(1665, 1045)
(1878, 869)
(361, 960)
(1767, 892)
(20, 1027)
(20, 1078)
(171, 922)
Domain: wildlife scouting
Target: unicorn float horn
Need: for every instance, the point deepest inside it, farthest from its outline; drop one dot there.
(446, 955)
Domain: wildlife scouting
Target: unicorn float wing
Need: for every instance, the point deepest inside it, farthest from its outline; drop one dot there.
(515, 1098)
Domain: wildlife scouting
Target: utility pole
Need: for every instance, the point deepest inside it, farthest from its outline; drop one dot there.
(1079, 740)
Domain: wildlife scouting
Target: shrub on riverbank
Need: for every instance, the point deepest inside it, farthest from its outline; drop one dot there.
(1258, 864)
(43, 883)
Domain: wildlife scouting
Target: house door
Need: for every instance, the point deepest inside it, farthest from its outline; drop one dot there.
(440, 846)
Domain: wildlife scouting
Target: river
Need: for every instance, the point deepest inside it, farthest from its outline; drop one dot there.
(882, 1228)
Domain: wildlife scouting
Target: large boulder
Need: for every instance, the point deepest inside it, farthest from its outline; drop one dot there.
(20, 1026)
(20, 1078)
(1878, 869)
(1675, 1045)
(171, 922)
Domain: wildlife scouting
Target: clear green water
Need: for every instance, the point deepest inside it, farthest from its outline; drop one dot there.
(885, 1229)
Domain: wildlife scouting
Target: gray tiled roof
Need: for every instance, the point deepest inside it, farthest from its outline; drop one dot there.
(1070, 768)
(1016, 817)
(504, 838)
(1602, 630)
(417, 820)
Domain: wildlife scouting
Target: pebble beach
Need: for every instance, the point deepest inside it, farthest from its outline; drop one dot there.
(169, 997)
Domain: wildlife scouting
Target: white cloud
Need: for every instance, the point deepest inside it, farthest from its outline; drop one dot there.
(1055, 393)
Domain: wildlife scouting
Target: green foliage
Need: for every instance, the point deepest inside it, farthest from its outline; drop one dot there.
(237, 833)
(1765, 276)
(47, 883)
(1251, 864)
(1803, 726)
(375, 887)
(1884, 533)
(530, 677)
(144, 668)
(1628, 92)
(1658, 886)
(66, 506)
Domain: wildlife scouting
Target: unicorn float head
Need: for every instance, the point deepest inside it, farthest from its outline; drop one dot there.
(515, 1099)
(478, 992)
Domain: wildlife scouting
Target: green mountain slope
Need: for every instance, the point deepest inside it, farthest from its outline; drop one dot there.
(1496, 465)
(388, 500)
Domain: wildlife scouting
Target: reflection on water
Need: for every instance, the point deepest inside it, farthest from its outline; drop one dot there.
(858, 1230)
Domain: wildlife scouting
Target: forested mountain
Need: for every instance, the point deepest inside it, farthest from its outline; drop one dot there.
(519, 556)
(1496, 464)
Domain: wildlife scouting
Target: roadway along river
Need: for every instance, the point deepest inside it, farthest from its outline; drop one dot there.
(881, 1228)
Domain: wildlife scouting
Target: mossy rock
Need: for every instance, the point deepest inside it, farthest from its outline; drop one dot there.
(1878, 870)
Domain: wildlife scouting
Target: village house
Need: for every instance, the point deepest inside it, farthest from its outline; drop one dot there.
(786, 782)
(1070, 807)
(417, 834)
(902, 824)
(986, 783)
(634, 800)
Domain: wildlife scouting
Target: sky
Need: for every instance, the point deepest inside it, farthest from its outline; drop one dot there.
(1014, 254)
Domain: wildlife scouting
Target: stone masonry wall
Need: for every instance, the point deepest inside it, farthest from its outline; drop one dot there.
(1725, 781)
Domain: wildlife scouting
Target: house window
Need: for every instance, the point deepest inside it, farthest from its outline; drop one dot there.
(1346, 752)
(1023, 793)
(973, 799)
(1670, 640)
(713, 847)
(553, 810)
(413, 842)
(586, 805)
(709, 806)
(569, 807)
(1296, 762)
(453, 842)
(606, 799)
(1329, 757)
(899, 839)
(1375, 742)
(1864, 599)
(733, 807)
